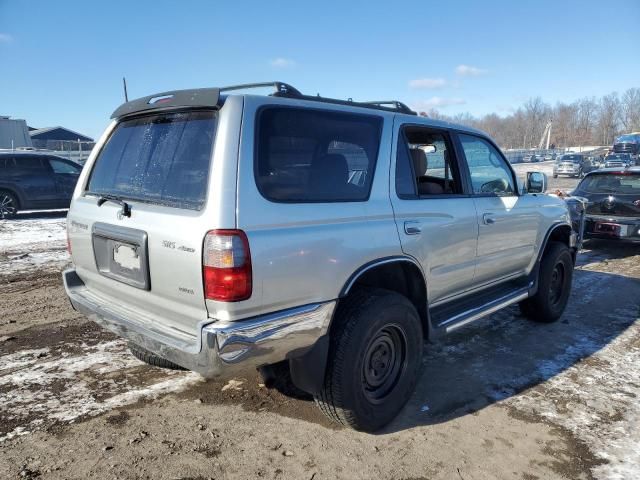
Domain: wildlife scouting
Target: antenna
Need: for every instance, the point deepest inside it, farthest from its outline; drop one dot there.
(124, 84)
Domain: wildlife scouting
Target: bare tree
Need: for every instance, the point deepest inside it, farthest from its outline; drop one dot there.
(608, 118)
(587, 121)
(630, 110)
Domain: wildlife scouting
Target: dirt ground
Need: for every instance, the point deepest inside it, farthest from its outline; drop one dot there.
(501, 399)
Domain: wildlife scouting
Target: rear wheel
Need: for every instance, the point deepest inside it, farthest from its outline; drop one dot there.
(374, 359)
(554, 285)
(8, 205)
(152, 359)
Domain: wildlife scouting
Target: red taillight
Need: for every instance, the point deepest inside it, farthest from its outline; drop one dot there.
(226, 266)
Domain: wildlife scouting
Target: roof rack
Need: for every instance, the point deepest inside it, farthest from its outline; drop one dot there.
(210, 97)
(395, 104)
(282, 89)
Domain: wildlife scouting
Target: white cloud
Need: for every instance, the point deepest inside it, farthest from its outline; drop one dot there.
(440, 102)
(427, 83)
(5, 38)
(281, 62)
(469, 71)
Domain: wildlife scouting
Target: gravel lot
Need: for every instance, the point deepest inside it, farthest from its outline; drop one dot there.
(500, 399)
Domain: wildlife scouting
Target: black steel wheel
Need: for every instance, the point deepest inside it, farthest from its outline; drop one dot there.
(384, 363)
(554, 285)
(374, 359)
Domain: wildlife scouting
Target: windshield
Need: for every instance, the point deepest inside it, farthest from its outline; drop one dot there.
(623, 184)
(571, 158)
(160, 159)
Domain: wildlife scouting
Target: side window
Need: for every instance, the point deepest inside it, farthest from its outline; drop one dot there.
(315, 155)
(489, 171)
(425, 164)
(31, 166)
(59, 166)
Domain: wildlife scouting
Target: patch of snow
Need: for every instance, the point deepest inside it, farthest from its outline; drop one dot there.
(32, 244)
(64, 388)
(32, 234)
(597, 402)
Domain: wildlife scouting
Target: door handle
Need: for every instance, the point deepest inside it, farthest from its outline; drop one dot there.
(412, 227)
(488, 219)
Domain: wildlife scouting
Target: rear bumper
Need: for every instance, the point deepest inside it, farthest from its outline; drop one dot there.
(224, 347)
(612, 228)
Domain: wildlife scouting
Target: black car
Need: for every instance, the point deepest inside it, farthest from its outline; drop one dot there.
(629, 143)
(35, 181)
(613, 208)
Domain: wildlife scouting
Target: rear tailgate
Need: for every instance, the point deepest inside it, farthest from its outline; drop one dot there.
(148, 263)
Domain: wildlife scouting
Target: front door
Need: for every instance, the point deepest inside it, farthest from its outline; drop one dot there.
(436, 221)
(508, 222)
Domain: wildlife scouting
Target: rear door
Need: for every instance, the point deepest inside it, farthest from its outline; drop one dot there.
(65, 175)
(149, 260)
(435, 216)
(508, 222)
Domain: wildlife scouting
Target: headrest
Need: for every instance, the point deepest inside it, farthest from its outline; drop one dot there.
(419, 159)
(331, 165)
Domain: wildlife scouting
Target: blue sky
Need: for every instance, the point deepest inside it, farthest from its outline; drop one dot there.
(62, 61)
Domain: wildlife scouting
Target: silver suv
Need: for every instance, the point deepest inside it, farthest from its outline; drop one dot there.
(318, 240)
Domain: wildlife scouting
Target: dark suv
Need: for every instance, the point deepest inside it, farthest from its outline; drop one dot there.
(35, 181)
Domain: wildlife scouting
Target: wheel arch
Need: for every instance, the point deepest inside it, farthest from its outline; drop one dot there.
(400, 274)
(15, 192)
(559, 232)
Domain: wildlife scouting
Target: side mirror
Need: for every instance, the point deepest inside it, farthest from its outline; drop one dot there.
(536, 182)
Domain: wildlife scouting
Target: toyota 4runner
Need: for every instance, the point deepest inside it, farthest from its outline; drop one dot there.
(314, 239)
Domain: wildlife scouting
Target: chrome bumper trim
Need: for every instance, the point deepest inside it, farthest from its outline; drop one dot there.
(225, 347)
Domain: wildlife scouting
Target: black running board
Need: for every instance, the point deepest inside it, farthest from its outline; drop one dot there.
(475, 312)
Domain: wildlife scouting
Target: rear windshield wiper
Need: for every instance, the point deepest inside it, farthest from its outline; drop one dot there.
(126, 208)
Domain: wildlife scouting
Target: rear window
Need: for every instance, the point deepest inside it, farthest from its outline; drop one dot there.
(161, 159)
(622, 184)
(315, 156)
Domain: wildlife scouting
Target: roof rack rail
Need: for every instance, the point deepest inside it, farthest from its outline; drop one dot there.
(394, 104)
(282, 89)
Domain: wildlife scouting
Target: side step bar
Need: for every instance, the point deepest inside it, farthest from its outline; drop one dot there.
(473, 314)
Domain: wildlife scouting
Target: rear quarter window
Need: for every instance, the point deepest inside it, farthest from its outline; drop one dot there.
(162, 158)
(305, 155)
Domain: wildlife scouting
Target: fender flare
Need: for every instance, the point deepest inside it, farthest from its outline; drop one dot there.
(344, 291)
(550, 231)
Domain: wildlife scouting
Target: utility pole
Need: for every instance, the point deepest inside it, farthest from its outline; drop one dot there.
(124, 84)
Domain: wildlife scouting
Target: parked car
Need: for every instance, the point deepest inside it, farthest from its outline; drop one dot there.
(572, 165)
(618, 160)
(597, 161)
(613, 203)
(31, 180)
(220, 232)
(531, 158)
(628, 143)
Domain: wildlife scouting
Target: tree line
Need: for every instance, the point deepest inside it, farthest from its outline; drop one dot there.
(587, 121)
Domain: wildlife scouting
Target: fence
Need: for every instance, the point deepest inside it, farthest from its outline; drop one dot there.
(77, 151)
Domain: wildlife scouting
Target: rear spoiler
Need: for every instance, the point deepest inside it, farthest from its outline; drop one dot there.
(200, 97)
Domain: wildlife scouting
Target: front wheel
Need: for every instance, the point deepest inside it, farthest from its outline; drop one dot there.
(374, 359)
(8, 205)
(554, 285)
